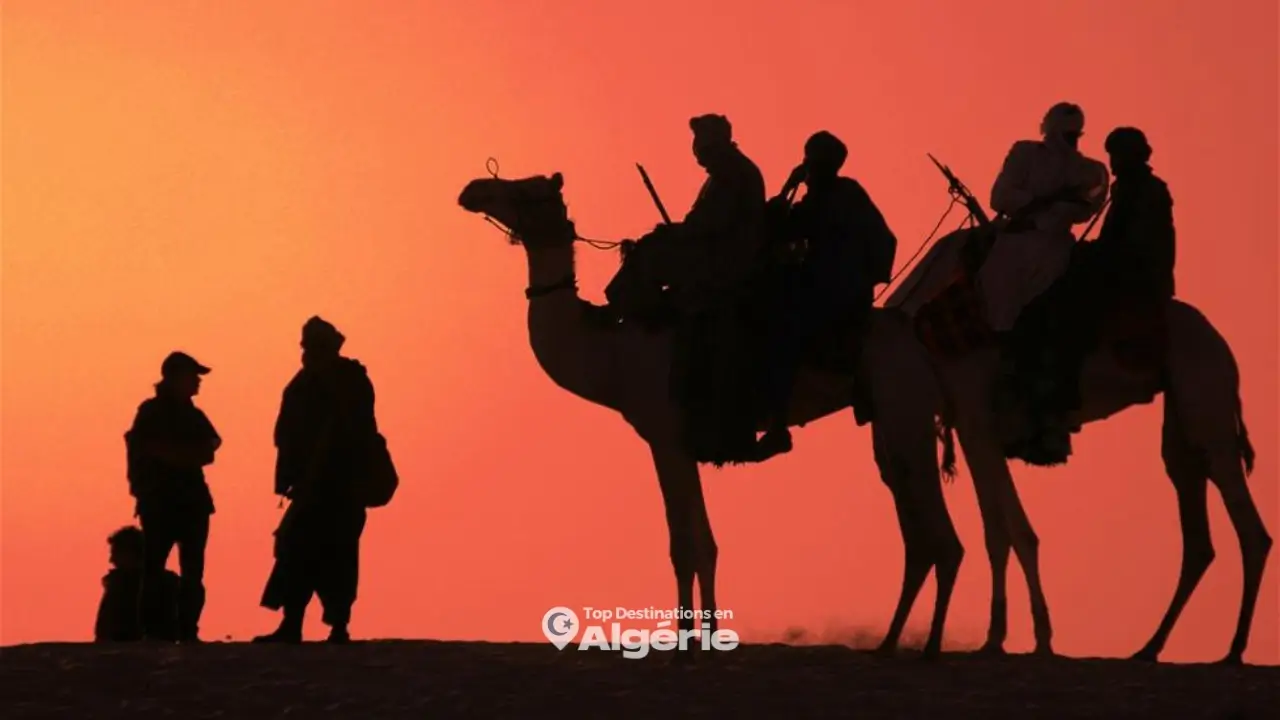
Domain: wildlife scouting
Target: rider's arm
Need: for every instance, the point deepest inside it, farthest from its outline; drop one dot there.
(1010, 192)
(1151, 229)
(873, 231)
(738, 245)
(287, 438)
(150, 436)
(209, 442)
(709, 212)
(1092, 192)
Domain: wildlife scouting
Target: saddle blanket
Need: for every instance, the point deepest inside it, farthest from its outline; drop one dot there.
(953, 322)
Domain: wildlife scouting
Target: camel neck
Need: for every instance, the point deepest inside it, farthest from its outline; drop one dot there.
(549, 266)
(572, 352)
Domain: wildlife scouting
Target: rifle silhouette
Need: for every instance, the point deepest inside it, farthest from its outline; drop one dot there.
(976, 247)
(961, 191)
(653, 193)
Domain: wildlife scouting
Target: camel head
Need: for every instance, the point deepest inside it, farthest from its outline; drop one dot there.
(531, 208)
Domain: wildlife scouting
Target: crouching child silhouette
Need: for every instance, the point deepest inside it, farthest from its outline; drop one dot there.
(120, 610)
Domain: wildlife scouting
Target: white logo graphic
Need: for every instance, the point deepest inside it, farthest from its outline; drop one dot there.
(560, 625)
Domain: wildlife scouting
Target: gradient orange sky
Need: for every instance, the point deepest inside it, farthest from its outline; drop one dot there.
(205, 176)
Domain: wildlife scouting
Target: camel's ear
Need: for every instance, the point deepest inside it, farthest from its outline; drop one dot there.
(557, 181)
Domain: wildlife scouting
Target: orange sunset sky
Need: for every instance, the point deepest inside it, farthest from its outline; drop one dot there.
(207, 175)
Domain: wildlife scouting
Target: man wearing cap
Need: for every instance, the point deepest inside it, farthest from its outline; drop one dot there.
(169, 444)
(321, 435)
(1044, 188)
(849, 248)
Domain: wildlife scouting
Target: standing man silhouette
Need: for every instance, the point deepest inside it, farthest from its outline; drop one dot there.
(169, 445)
(323, 436)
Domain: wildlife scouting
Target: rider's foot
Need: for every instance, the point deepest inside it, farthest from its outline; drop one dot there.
(774, 442)
(1048, 447)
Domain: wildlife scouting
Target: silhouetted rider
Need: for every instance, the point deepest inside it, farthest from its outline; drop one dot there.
(849, 248)
(1128, 269)
(1044, 188)
(723, 233)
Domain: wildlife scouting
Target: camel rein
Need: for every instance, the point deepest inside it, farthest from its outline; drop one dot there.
(491, 167)
(570, 282)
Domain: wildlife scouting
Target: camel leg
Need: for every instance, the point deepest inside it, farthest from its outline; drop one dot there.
(1003, 516)
(693, 549)
(929, 537)
(917, 560)
(708, 554)
(948, 553)
(992, 479)
(996, 537)
(1188, 471)
(1255, 543)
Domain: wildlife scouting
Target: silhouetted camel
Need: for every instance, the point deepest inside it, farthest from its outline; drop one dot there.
(626, 369)
(1204, 438)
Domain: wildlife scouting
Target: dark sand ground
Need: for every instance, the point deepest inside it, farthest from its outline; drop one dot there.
(421, 680)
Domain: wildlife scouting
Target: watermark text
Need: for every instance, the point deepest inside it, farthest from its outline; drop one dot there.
(602, 631)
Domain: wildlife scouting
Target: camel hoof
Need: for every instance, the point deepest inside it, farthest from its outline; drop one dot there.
(992, 648)
(886, 650)
(931, 653)
(1146, 654)
(1044, 650)
(1233, 659)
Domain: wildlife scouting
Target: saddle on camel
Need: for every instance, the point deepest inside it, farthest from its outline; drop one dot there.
(756, 292)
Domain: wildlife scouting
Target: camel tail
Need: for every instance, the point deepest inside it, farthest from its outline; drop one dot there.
(947, 434)
(1247, 454)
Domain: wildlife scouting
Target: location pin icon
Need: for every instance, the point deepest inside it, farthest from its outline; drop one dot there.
(560, 625)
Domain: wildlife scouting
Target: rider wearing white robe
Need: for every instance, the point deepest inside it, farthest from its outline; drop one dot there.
(1045, 187)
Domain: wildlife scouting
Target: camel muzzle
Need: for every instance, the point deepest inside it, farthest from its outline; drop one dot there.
(473, 196)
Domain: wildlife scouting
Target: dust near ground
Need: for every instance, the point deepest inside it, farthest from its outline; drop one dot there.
(419, 679)
(854, 637)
